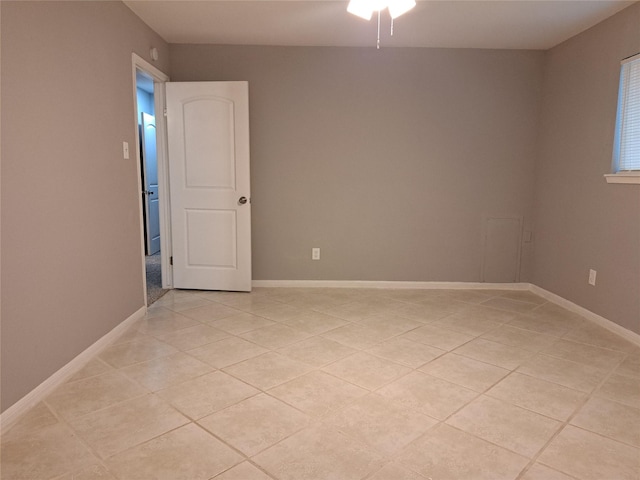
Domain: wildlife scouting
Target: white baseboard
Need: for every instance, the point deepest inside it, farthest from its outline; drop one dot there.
(588, 314)
(388, 284)
(22, 406)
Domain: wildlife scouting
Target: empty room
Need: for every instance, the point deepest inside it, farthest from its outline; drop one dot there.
(389, 240)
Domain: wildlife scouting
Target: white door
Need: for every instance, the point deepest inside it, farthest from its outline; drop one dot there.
(208, 146)
(150, 175)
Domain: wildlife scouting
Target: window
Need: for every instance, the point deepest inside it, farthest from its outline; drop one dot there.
(626, 148)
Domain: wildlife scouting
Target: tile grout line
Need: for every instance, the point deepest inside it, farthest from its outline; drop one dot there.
(321, 420)
(568, 421)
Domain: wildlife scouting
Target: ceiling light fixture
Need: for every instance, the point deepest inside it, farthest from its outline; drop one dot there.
(365, 8)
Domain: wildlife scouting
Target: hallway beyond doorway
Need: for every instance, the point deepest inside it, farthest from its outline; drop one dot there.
(154, 278)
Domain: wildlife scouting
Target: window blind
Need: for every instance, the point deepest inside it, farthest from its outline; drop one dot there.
(626, 154)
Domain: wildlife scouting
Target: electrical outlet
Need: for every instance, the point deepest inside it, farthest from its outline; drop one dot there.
(315, 253)
(592, 277)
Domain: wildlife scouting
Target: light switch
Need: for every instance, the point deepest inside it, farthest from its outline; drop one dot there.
(125, 150)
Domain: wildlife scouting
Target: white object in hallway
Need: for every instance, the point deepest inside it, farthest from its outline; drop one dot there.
(150, 174)
(208, 140)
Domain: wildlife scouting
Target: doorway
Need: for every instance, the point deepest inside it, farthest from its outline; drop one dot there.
(151, 158)
(210, 134)
(149, 181)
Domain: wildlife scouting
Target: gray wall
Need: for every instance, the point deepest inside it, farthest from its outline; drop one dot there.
(582, 222)
(386, 160)
(71, 259)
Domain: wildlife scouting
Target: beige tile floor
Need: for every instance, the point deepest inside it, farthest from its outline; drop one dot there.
(295, 384)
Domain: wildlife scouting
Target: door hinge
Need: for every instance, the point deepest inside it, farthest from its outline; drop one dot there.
(170, 260)
(164, 112)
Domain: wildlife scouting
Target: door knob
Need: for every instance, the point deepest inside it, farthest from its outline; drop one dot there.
(147, 192)
(242, 200)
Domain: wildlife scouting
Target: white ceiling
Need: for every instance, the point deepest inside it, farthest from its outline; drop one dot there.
(519, 24)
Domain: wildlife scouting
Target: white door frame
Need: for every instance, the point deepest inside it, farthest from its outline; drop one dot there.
(159, 79)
